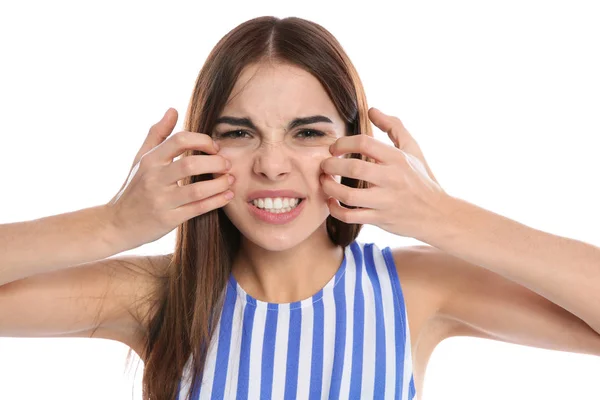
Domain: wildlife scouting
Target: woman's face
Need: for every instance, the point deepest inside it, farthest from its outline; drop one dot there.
(267, 154)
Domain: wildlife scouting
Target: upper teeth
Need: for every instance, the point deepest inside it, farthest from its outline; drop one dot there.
(276, 203)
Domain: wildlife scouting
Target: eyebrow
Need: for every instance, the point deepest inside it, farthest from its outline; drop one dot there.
(247, 122)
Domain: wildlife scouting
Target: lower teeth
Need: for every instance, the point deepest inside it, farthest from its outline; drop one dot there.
(278, 210)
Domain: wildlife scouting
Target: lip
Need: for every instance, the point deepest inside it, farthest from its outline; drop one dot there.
(258, 194)
(276, 219)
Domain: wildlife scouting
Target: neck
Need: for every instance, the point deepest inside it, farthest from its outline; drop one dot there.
(288, 275)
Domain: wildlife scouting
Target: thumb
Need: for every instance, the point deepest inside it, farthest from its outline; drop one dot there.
(402, 139)
(396, 131)
(393, 126)
(158, 133)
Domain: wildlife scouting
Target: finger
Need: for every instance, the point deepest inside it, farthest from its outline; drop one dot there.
(181, 142)
(351, 216)
(199, 191)
(158, 133)
(364, 144)
(354, 168)
(193, 165)
(196, 208)
(365, 198)
(391, 125)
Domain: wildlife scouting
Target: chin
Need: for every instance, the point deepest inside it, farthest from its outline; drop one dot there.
(273, 243)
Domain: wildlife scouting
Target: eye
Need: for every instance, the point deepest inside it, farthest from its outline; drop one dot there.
(232, 134)
(314, 135)
(238, 134)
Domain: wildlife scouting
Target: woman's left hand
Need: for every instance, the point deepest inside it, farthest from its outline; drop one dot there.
(403, 196)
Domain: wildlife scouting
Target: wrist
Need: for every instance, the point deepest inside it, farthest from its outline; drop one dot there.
(444, 222)
(112, 233)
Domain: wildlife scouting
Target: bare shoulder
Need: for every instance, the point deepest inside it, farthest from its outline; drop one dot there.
(140, 279)
(145, 286)
(447, 296)
(426, 285)
(432, 280)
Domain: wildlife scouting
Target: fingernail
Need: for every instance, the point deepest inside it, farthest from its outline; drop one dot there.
(227, 164)
(216, 145)
(231, 179)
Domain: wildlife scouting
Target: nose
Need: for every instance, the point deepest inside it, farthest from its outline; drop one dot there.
(272, 161)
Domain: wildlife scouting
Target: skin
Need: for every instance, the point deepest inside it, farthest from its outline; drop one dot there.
(293, 261)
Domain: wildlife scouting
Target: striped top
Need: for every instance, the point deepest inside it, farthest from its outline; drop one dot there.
(348, 341)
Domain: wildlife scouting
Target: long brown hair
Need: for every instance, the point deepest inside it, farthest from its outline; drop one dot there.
(188, 301)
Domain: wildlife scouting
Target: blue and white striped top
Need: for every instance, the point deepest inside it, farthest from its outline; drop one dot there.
(349, 341)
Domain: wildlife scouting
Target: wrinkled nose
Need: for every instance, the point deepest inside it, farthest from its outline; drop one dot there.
(272, 161)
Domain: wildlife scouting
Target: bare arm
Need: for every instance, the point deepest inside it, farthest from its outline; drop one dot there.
(149, 205)
(473, 301)
(563, 270)
(55, 242)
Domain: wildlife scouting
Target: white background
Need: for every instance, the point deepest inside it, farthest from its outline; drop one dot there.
(502, 96)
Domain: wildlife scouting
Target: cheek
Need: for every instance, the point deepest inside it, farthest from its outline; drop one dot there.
(238, 162)
(317, 159)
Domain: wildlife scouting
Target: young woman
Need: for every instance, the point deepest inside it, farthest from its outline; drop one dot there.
(267, 293)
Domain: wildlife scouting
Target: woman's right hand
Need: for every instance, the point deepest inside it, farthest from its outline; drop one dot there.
(151, 202)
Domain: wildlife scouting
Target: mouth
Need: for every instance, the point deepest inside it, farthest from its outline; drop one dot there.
(275, 215)
(277, 205)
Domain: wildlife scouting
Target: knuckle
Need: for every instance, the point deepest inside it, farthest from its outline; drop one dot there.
(181, 139)
(201, 208)
(347, 197)
(144, 161)
(162, 218)
(388, 179)
(355, 168)
(153, 128)
(363, 141)
(394, 179)
(342, 215)
(205, 138)
(147, 183)
(187, 165)
(404, 161)
(197, 192)
(157, 205)
(209, 143)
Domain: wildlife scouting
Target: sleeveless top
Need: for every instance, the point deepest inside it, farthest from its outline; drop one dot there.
(350, 340)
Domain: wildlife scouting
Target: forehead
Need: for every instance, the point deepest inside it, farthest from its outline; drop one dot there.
(273, 94)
